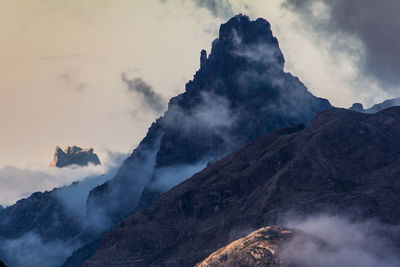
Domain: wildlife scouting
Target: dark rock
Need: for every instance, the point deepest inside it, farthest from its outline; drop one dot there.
(357, 107)
(343, 163)
(42, 213)
(79, 256)
(240, 93)
(74, 155)
(203, 58)
(377, 107)
(264, 247)
(234, 98)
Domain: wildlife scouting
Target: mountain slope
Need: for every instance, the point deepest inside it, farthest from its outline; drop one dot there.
(240, 93)
(258, 249)
(344, 162)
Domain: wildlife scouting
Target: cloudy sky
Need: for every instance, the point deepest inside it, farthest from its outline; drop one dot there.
(96, 73)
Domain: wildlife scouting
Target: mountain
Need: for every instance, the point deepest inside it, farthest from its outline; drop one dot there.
(377, 107)
(42, 213)
(240, 93)
(264, 247)
(343, 163)
(74, 155)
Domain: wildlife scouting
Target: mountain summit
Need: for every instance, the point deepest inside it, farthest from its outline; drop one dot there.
(240, 93)
(74, 155)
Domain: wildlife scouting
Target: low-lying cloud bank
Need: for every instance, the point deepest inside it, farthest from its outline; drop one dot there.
(344, 243)
(31, 250)
(17, 183)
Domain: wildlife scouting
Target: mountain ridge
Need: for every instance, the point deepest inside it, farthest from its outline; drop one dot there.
(322, 168)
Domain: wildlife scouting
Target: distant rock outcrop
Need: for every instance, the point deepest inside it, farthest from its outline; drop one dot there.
(377, 107)
(74, 155)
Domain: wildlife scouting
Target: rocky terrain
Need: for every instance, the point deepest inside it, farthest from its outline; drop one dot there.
(344, 163)
(74, 155)
(259, 249)
(377, 107)
(240, 93)
(42, 213)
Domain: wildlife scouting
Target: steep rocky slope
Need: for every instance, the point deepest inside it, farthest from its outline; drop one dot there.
(344, 162)
(240, 93)
(259, 249)
(268, 246)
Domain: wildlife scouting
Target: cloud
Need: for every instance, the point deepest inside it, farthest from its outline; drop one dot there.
(218, 8)
(74, 197)
(31, 247)
(17, 183)
(153, 100)
(31, 250)
(212, 115)
(167, 177)
(116, 196)
(373, 24)
(344, 243)
(69, 78)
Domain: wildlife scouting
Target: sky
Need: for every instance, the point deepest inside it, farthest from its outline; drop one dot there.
(96, 73)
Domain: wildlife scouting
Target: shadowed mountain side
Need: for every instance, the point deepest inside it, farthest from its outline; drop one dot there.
(40, 213)
(344, 162)
(239, 94)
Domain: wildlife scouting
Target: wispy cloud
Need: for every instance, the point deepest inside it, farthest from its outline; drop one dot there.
(152, 99)
(373, 24)
(58, 57)
(70, 79)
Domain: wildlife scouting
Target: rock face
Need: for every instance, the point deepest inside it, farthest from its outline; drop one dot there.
(41, 213)
(259, 249)
(344, 162)
(74, 155)
(240, 93)
(377, 107)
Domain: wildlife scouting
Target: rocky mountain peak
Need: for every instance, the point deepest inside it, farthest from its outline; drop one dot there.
(240, 93)
(244, 44)
(74, 155)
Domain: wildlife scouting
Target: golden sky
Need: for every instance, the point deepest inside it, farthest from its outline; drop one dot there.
(61, 63)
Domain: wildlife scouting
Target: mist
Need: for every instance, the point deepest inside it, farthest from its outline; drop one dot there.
(31, 250)
(167, 177)
(152, 100)
(339, 241)
(364, 29)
